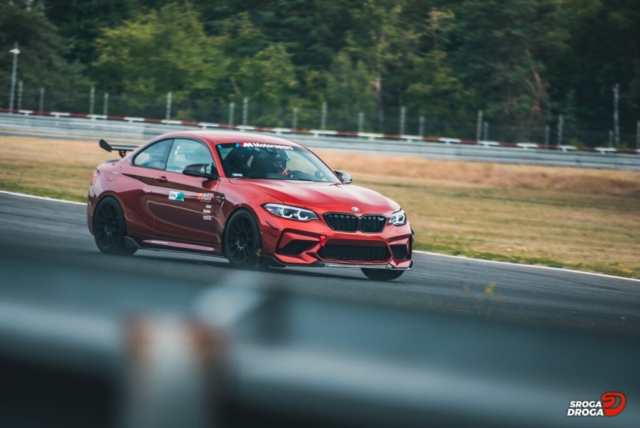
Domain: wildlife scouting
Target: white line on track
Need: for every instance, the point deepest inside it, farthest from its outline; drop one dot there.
(24, 195)
(526, 266)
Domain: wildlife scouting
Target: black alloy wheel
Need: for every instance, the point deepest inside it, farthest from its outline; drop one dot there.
(382, 274)
(109, 228)
(242, 244)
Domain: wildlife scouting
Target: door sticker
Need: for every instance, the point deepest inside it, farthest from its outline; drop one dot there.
(205, 197)
(176, 196)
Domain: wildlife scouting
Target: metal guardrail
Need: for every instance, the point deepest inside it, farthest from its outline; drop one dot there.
(321, 361)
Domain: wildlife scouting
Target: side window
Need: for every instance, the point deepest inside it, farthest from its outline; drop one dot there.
(154, 156)
(188, 152)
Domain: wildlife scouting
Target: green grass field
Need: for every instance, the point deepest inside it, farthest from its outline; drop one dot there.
(563, 217)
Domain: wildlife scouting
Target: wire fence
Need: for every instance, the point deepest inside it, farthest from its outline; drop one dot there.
(245, 111)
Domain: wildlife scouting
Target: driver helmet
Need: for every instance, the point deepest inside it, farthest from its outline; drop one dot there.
(277, 162)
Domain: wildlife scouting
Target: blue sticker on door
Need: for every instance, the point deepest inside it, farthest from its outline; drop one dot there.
(176, 196)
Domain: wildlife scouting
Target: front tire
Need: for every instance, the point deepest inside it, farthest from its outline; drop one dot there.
(382, 274)
(109, 228)
(242, 242)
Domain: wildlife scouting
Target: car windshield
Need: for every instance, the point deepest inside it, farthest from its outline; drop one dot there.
(273, 162)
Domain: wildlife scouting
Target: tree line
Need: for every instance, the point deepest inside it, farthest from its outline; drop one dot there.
(522, 62)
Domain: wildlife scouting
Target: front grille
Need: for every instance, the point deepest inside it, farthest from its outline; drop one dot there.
(400, 252)
(295, 247)
(342, 222)
(372, 223)
(354, 252)
(352, 223)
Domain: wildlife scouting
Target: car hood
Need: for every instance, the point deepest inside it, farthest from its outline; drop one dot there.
(329, 197)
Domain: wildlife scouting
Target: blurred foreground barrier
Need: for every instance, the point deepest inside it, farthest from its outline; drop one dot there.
(248, 357)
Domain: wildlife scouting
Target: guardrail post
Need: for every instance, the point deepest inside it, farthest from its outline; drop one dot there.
(479, 126)
(170, 366)
(403, 116)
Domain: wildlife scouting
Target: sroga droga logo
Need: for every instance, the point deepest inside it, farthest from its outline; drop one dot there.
(610, 404)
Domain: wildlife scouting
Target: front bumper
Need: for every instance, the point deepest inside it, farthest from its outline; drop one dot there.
(315, 244)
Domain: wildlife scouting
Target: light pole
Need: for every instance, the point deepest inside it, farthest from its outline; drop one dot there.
(15, 51)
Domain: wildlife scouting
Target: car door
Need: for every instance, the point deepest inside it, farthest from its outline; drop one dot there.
(188, 208)
(146, 188)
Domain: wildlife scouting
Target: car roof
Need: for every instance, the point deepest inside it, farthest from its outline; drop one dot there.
(221, 137)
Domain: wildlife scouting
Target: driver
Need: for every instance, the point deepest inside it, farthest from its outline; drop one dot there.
(277, 164)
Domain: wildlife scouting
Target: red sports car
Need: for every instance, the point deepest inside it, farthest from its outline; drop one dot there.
(257, 200)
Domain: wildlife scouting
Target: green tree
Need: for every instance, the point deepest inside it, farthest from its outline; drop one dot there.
(382, 40)
(350, 90)
(42, 60)
(500, 49)
(436, 92)
(157, 52)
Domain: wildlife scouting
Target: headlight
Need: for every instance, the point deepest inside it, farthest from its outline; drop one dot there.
(292, 213)
(398, 218)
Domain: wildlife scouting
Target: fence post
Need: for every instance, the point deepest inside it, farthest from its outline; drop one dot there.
(14, 70)
(479, 126)
(360, 121)
(486, 131)
(638, 135)
(92, 98)
(232, 106)
(616, 116)
(169, 99)
(20, 95)
(323, 120)
(295, 118)
(245, 111)
(610, 138)
(105, 107)
(560, 126)
(41, 105)
(547, 131)
(421, 126)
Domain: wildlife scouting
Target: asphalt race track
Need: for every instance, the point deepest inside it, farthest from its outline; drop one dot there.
(35, 229)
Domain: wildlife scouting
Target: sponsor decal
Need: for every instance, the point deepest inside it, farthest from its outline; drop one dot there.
(611, 403)
(355, 209)
(176, 196)
(206, 217)
(236, 174)
(266, 146)
(208, 206)
(205, 197)
(206, 211)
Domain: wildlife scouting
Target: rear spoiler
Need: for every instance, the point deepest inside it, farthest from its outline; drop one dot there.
(122, 149)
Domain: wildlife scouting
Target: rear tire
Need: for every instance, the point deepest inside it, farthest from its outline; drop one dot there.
(109, 228)
(382, 274)
(242, 242)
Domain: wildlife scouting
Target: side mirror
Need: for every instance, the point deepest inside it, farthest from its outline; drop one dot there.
(345, 177)
(200, 170)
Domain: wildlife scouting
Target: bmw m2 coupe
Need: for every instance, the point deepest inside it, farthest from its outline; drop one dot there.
(256, 200)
